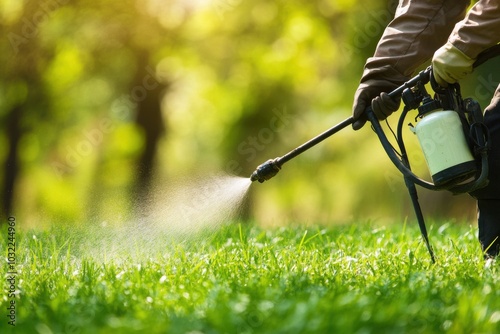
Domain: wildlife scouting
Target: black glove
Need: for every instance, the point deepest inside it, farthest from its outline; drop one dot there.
(373, 92)
(384, 105)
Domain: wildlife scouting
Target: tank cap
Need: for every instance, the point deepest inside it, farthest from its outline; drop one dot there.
(428, 105)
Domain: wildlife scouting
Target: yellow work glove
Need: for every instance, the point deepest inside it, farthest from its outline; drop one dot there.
(450, 65)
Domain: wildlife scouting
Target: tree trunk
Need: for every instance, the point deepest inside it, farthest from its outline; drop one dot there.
(147, 92)
(11, 166)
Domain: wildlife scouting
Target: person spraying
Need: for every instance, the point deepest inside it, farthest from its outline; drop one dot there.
(453, 37)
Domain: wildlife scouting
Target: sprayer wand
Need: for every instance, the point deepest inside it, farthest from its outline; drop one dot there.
(271, 167)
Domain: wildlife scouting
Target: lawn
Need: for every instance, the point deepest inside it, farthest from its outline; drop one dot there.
(241, 278)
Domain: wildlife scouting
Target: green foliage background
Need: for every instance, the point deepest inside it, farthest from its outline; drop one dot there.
(238, 82)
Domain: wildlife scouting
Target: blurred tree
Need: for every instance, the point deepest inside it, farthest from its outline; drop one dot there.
(23, 90)
(142, 91)
(149, 119)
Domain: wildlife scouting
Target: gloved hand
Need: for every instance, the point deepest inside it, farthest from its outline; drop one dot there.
(450, 65)
(373, 92)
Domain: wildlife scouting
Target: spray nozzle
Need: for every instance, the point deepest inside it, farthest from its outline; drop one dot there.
(266, 170)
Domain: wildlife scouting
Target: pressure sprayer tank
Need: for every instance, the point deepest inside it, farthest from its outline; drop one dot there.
(443, 143)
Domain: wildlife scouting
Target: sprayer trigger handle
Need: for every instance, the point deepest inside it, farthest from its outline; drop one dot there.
(422, 77)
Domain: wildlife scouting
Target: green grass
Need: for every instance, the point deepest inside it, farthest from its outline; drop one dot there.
(245, 279)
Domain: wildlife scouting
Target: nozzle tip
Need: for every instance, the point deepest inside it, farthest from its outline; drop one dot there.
(254, 176)
(266, 171)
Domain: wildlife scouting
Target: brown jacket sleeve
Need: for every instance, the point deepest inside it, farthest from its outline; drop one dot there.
(479, 30)
(410, 39)
(419, 28)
